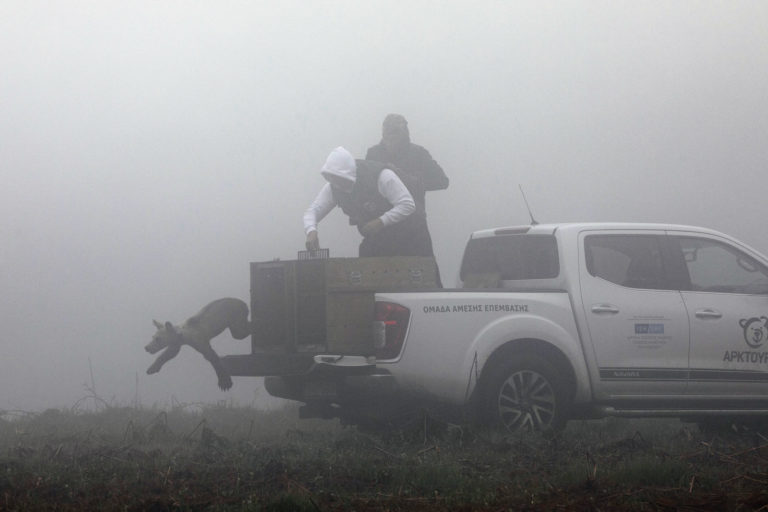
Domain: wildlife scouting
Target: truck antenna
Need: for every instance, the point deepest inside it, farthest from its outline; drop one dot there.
(533, 221)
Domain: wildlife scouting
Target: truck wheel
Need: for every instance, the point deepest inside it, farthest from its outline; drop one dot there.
(525, 393)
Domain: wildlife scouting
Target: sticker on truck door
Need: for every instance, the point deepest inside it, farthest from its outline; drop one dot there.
(755, 330)
(648, 333)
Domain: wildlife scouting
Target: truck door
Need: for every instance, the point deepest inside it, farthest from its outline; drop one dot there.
(727, 302)
(635, 315)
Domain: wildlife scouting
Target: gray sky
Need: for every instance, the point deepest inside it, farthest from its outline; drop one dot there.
(150, 150)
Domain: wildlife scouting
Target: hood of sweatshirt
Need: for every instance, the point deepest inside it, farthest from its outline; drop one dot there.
(340, 169)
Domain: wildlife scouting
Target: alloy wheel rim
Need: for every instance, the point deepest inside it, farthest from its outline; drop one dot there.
(526, 402)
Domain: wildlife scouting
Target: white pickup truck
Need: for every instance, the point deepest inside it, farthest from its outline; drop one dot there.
(551, 322)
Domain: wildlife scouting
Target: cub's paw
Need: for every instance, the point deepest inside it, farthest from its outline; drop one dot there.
(152, 370)
(225, 383)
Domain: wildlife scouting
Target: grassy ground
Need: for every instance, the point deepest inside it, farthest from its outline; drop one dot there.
(224, 458)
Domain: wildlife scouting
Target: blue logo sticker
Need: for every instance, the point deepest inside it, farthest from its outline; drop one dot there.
(649, 328)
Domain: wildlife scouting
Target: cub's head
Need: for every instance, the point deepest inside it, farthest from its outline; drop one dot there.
(166, 335)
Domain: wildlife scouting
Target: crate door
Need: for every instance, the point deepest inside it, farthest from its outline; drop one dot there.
(272, 304)
(310, 305)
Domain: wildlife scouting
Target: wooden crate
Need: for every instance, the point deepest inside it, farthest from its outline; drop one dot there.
(390, 273)
(327, 305)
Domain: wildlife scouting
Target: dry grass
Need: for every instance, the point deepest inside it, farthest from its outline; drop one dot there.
(225, 458)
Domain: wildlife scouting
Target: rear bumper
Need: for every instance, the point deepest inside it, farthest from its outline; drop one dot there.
(263, 364)
(267, 364)
(336, 387)
(315, 378)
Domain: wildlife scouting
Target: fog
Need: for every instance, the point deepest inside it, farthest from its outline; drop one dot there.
(150, 150)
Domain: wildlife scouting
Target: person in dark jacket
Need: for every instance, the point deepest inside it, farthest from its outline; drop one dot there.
(377, 202)
(412, 160)
(413, 163)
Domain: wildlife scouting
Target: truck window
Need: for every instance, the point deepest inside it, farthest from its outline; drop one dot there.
(717, 267)
(513, 257)
(634, 261)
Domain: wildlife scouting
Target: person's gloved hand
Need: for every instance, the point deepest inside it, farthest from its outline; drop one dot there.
(371, 227)
(312, 243)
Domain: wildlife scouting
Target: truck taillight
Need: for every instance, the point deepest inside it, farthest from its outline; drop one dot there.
(389, 329)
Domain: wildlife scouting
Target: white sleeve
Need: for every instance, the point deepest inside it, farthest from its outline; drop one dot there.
(319, 208)
(394, 191)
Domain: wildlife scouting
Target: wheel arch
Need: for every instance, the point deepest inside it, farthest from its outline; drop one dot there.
(540, 348)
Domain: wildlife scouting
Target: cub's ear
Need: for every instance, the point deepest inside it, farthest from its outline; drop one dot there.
(743, 322)
(157, 324)
(169, 327)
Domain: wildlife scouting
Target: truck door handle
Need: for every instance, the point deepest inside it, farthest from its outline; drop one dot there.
(708, 313)
(604, 308)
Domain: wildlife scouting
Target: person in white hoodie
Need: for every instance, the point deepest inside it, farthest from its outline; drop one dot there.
(376, 201)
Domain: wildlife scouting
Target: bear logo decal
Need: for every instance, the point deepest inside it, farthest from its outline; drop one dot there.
(755, 330)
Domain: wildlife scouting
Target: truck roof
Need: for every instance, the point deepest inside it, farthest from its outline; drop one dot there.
(548, 229)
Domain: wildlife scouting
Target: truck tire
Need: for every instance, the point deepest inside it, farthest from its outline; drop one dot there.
(525, 393)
